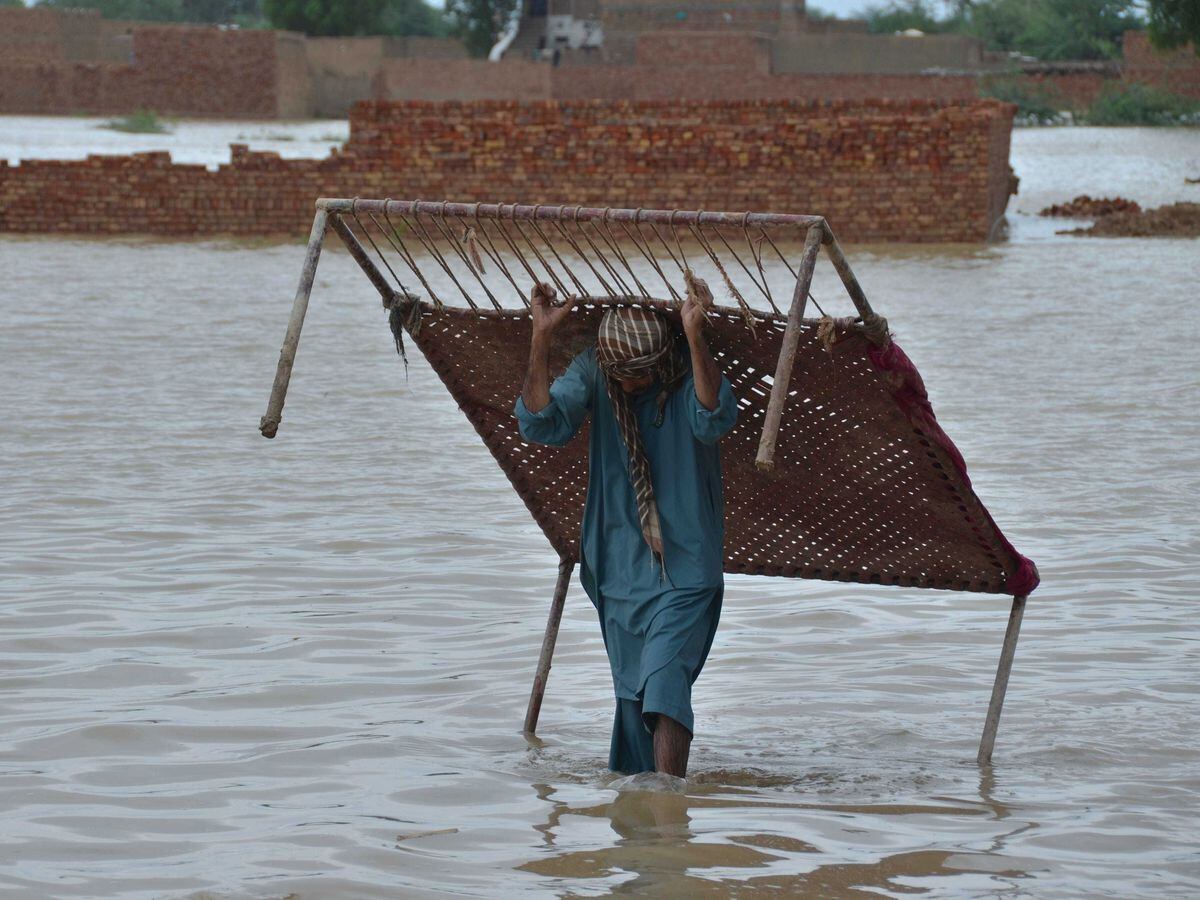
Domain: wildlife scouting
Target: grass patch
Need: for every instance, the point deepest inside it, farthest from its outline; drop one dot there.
(1141, 104)
(144, 121)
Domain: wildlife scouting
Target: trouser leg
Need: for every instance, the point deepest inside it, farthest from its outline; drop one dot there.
(632, 747)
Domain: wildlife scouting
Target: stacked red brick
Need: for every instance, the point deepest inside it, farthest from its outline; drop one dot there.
(879, 170)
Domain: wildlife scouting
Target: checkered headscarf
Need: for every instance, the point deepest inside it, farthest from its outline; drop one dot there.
(634, 342)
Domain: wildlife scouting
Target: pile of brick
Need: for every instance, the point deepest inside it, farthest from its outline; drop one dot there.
(1172, 220)
(1085, 207)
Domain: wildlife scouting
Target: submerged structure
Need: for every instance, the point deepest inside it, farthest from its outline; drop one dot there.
(837, 468)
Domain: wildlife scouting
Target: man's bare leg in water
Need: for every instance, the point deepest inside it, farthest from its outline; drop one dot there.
(672, 742)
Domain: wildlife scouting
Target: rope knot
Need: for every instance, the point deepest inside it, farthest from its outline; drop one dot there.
(875, 327)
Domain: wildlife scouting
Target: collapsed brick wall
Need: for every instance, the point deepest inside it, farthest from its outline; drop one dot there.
(879, 171)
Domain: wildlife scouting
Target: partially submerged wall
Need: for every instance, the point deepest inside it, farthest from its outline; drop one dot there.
(879, 171)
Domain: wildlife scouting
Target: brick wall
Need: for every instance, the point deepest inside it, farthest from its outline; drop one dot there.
(470, 79)
(880, 171)
(294, 90)
(751, 52)
(173, 70)
(212, 72)
(35, 34)
(56, 62)
(1075, 90)
(1176, 70)
(733, 83)
(462, 79)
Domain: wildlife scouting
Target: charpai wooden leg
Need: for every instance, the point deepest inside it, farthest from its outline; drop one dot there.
(1001, 686)
(566, 566)
(269, 424)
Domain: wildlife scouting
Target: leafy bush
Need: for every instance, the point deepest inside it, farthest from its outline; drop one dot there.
(1036, 104)
(144, 121)
(1141, 104)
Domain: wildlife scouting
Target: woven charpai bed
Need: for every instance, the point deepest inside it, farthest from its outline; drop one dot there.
(837, 468)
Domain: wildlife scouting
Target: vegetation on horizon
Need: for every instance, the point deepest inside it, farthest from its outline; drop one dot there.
(361, 17)
(1120, 103)
(1046, 29)
(144, 121)
(1141, 104)
(312, 17)
(1175, 22)
(246, 13)
(1036, 104)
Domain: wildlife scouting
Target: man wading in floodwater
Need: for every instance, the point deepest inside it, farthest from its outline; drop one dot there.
(653, 526)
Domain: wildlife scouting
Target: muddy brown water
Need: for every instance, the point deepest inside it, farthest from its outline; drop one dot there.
(253, 669)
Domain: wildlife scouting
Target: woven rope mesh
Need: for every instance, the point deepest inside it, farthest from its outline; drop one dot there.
(858, 493)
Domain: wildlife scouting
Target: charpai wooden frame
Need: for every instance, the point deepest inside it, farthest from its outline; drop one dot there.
(833, 415)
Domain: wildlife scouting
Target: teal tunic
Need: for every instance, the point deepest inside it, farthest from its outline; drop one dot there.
(658, 625)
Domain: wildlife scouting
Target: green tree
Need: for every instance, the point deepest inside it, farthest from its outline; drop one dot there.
(479, 22)
(402, 17)
(145, 10)
(327, 17)
(904, 14)
(1054, 29)
(214, 11)
(1175, 22)
(222, 11)
(4, 3)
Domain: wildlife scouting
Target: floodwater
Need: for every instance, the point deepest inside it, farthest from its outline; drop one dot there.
(239, 668)
(195, 141)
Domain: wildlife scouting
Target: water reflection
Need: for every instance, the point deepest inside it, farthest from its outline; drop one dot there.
(667, 844)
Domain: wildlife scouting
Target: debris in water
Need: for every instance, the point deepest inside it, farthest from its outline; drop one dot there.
(1085, 207)
(420, 834)
(1172, 220)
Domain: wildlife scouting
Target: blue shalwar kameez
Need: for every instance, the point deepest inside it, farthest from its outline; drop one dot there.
(657, 625)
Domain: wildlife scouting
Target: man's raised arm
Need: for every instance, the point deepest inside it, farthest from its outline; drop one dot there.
(715, 412)
(704, 368)
(546, 318)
